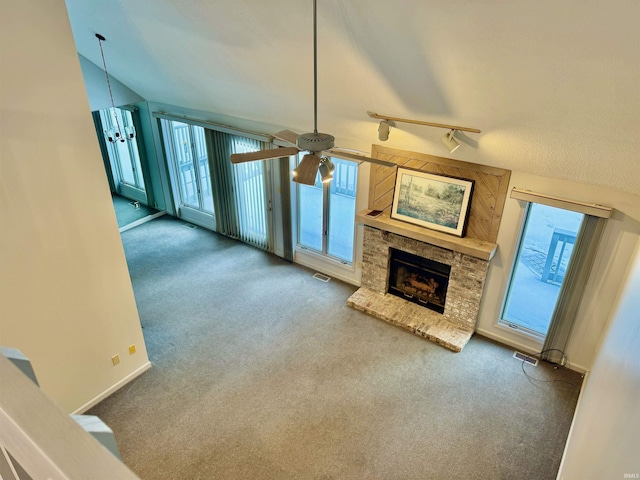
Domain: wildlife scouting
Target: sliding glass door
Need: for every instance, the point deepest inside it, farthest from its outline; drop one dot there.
(212, 192)
(189, 162)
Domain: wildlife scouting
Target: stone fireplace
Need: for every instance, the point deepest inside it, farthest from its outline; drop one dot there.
(403, 291)
(453, 321)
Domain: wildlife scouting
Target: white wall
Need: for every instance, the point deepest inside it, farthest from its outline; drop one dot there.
(66, 298)
(95, 83)
(607, 277)
(603, 442)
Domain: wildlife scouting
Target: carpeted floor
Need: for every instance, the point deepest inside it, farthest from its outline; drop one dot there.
(262, 372)
(126, 211)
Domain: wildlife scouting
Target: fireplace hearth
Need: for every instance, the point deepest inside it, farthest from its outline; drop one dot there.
(419, 280)
(401, 276)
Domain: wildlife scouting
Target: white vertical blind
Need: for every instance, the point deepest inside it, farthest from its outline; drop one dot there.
(250, 195)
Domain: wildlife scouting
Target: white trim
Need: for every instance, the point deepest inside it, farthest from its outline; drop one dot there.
(33, 428)
(263, 137)
(146, 219)
(573, 205)
(136, 373)
(573, 422)
(525, 347)
(326, 265)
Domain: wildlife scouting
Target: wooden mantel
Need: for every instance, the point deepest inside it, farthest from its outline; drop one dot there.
(468, 246)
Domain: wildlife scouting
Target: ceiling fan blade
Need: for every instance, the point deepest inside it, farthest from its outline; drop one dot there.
(263, 154)
(287, 136)
(359, 157)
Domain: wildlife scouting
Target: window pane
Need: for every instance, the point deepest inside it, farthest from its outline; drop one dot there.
(543, 257)
(342, 209)
(310, 215)
(125, 162)
(203, 168)
(134, 155)
(184, 163)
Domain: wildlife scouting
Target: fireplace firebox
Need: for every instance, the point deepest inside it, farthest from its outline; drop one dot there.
(418, 280)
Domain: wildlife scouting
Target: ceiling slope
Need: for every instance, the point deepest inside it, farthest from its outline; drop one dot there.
(552, 85)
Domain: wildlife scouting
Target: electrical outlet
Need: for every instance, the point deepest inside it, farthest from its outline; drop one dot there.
(132, 349)
(115, 360)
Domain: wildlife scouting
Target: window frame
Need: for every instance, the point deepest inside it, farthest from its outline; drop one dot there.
(326, 212)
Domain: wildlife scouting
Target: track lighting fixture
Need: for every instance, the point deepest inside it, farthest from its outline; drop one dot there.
(449, 141)
(383, 131)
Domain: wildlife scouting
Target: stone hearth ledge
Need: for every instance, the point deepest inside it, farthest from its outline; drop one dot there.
(418, 320)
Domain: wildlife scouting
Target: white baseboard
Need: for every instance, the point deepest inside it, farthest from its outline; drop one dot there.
(326, 266)
(136, 373)
(573, 422)
(146, 219)
(525, 348)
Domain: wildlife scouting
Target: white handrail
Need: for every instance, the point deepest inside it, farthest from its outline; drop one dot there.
(44, 440)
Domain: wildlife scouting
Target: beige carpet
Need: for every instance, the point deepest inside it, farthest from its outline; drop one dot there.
(263, 372)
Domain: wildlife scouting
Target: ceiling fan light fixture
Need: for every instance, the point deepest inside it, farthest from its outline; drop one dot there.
(307, 171)
(450, 141)
(315, 142)
(383, 131)
(326, 170)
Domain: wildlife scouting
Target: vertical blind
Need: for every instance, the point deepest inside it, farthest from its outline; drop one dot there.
(241, 200)
(572, 288)
(577, 275)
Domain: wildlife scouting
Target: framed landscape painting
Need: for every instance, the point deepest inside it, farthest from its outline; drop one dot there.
(432, 201)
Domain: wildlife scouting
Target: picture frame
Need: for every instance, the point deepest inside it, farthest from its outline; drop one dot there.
(432, 201)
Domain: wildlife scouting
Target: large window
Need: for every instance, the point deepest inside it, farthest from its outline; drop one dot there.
(122, 149)
(209, 190)
(326, 213)
(545, 253)
(191, 166)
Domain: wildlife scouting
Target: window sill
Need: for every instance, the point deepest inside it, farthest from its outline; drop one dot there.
(530, 335)
(326, 265)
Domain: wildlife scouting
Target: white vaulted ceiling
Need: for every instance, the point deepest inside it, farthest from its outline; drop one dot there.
(553, 85)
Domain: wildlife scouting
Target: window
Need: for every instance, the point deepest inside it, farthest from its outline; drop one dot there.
(326, 213)
(123, 155)
(543, 258)
(190, 165)
(211, 191)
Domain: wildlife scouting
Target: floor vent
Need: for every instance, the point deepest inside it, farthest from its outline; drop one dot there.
(525, 358)
(321, 277)
(188, 225)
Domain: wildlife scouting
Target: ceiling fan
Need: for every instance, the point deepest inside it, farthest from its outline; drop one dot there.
(319, 145)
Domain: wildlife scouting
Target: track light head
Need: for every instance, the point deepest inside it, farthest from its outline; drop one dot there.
(450, 141)
(383, 131)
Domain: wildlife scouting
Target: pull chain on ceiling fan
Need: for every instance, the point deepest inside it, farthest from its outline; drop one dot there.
(317, 144)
